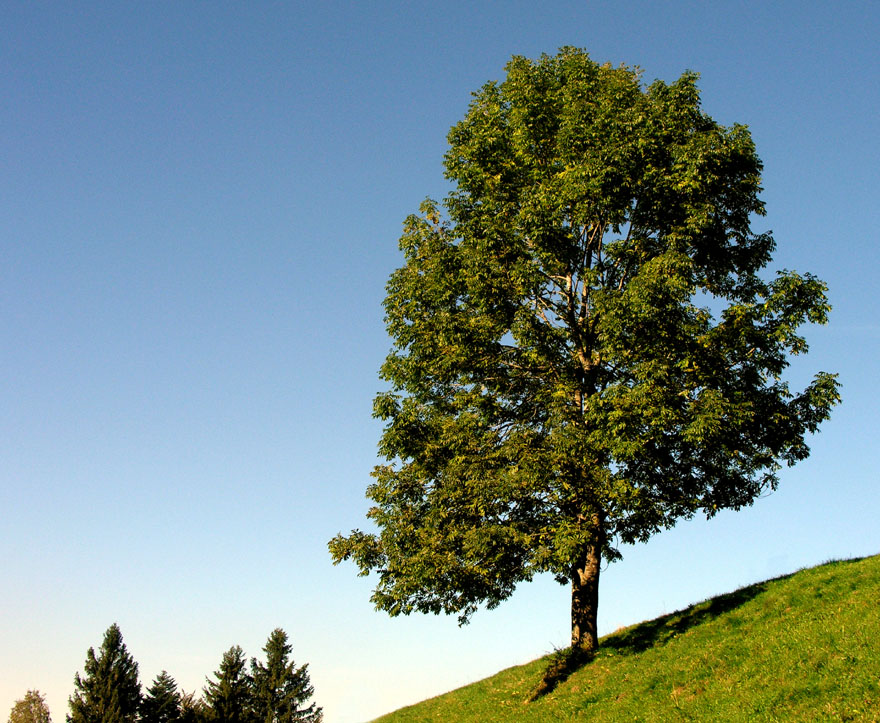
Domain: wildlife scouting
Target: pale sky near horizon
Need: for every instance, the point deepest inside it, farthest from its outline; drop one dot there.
(199, 209)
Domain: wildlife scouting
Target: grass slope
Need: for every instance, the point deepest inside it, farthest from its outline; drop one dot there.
(801, 647)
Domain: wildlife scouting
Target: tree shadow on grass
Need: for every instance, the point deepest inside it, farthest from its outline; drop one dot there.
(562, 664)
(659, 631)
(643, 636)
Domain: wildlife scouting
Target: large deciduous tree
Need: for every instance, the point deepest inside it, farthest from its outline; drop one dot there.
(109, 692)
(587, 347)
(280, 688)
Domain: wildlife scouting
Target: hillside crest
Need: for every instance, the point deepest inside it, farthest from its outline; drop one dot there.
(797, 647)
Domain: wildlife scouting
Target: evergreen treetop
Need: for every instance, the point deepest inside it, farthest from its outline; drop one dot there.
(161, 704)
(228, 698)
(109, 690)
(280, 688)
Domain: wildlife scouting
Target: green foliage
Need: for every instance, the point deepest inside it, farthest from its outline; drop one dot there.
(800, 647)
(161, 704)
(193, 709)
(30, 709)
(276, 692)
(586, 349)
(280, 689)
(229, 698)
(109, 692)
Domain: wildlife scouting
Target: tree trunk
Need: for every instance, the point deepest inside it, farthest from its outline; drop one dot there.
(585, 600)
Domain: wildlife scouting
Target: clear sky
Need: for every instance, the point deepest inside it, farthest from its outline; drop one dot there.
(199, 209)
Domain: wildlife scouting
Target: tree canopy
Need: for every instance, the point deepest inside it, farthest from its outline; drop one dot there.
(30, 709)
(587, 345)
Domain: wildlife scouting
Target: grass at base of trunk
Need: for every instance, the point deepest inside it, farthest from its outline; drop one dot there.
(800, 647)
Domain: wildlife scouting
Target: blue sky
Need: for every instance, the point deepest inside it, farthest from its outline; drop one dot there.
(199, 209)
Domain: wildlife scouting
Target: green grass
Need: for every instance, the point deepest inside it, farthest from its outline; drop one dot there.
(802, 647)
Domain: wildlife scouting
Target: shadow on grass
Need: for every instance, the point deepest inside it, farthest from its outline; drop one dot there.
(562, 664)
(660, 630)
(645, 635)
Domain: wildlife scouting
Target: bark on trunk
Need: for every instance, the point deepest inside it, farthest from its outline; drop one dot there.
(585, 600)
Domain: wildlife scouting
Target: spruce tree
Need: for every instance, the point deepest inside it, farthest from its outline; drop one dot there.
(280, 688)
(109, 692)
(228, 699)
(161, 704)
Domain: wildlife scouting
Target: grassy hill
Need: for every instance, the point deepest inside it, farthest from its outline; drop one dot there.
(801, 647)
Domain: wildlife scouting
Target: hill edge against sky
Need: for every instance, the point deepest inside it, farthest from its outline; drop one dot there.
(795, 647)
